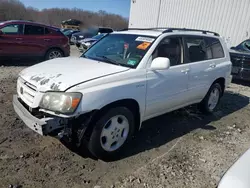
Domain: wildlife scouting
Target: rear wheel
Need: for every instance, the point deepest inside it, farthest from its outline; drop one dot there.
(111, 132)
(211, 100)
(53, 53)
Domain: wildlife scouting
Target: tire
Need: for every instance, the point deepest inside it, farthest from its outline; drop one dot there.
(113, 129)
(208, 105)
(53, 53)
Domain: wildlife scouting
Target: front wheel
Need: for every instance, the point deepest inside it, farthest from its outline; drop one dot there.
(212, 98)
(111, 132)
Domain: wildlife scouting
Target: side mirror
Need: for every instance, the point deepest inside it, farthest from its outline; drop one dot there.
(233, 48)
(1, 33)
(160, 63)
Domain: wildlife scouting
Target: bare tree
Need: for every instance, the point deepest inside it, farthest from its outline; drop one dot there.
(15, 10)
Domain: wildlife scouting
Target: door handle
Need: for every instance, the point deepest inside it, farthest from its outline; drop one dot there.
(213, 65)
(19, 38)
(46, 39)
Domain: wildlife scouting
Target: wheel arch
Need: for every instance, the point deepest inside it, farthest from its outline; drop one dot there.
(222, 82)
(131, 104)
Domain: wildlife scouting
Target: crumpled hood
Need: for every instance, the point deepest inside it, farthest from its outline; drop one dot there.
(62, 73)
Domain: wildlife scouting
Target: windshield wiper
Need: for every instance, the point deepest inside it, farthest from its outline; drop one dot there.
(110, 60)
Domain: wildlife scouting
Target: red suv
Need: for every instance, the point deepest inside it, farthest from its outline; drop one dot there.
(29, 39)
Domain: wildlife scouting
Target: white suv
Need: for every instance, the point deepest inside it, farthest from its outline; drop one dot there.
(127, 77)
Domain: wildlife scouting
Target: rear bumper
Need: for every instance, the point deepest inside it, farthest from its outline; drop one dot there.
(42, 126)
(241, 74)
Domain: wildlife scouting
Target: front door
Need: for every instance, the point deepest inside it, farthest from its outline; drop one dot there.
(11, 40)
(166, 89)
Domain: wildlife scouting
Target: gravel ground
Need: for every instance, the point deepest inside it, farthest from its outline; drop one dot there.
(179, 149)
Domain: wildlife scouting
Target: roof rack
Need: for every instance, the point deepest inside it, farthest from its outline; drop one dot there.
(195, 30)
(168, 30)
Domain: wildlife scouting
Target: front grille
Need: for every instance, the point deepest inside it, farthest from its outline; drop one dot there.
(26, 91)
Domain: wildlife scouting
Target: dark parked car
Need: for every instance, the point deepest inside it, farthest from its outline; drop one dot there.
(65, 29)
(29, 39)
(69, 33)
(87, 42)
(240, 57)
(89, 33)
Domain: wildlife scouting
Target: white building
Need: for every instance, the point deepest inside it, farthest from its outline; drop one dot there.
(229, 18)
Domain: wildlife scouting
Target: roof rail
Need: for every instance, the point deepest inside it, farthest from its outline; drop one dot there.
(169, 29)
(185, 29)
(126, 29)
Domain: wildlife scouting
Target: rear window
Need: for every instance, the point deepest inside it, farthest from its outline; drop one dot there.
(33, 30)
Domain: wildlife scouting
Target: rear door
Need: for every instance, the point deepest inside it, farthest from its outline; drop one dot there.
(204, 55)
(34, 43)
(11, 40)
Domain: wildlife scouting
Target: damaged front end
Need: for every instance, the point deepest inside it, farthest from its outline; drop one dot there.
(77, 129)
(71, 129)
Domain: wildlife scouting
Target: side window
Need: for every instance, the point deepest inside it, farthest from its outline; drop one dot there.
(196, 49)
(214, 49)
(246, 45)
(13, 29)
(170, 48)
(33, 30)
(47, 31)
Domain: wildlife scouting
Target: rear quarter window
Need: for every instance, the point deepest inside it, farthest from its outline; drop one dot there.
(203, 48)
(51, 31)
(214, 48)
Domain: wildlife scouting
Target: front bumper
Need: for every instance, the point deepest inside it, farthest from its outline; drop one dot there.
(42, 126)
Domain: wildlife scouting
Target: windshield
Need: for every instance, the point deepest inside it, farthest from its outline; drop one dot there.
(121, 49)
(68, 32)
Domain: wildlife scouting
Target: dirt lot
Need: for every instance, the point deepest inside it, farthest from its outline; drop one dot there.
(179, 149)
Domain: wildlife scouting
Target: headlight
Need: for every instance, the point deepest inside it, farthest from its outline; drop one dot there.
(65, 103)
(81, 36)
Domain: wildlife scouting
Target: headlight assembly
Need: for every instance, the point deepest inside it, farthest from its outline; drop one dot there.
(65, 103)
